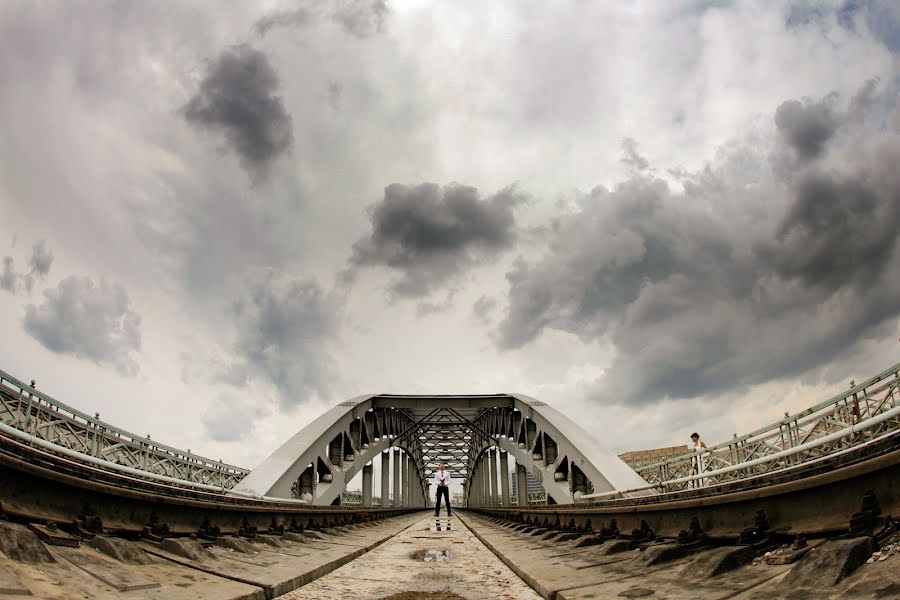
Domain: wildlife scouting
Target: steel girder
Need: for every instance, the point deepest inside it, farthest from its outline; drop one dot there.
(319, 461)
(454, 430)
(565, 459)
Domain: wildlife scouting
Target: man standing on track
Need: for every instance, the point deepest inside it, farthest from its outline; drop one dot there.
(442, 484)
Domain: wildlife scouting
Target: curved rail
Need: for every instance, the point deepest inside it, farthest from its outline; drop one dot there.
(862, 413)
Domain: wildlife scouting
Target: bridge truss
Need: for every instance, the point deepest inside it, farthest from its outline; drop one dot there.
(480, 438)
(45, 419)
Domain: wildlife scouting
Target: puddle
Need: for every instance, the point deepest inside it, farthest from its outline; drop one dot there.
(439, 555)
(636, 593)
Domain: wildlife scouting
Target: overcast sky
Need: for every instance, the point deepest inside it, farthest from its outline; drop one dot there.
(658, 217)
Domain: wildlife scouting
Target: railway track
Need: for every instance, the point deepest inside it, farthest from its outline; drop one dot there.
(110, 521)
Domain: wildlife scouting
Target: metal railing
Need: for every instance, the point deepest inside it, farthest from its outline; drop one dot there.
(865, 412)
(36, 414)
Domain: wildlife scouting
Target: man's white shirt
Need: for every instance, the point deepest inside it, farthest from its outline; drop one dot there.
(441, 476)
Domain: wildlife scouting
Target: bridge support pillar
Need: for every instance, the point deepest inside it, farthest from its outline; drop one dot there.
(522, 485)
(407, 480)
(401, 468)
(494, 488)
(485, 480)
(385, 478)
(427, 494)
(367, 485)
(504, 478)
(416, 490)
(465, 490)
(395, 474)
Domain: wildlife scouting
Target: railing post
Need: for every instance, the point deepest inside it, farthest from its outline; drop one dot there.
(94, 441)
(28, 414)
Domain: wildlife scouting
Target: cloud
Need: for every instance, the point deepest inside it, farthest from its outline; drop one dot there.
(39, 267)
(335, 90)
(237, 98)
(484, 308)
(431, 235)
(232, 416)
(90, 321)
(285, 330)
(727, 282)
(39, 263)
(9, 280)
(41, 259)
(631, 156)
(880, 17)
(840, 230)
(425, 309)
(359, 18)
(289, 19)
(807, 126)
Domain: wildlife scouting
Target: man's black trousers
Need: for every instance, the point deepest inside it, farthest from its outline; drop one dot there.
(442, 490)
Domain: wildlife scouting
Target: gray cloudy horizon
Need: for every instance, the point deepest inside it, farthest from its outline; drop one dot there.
(677, 216)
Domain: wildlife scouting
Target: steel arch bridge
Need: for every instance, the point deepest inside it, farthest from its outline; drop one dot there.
(472, 434)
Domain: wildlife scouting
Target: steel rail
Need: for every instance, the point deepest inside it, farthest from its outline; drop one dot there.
(105, 464)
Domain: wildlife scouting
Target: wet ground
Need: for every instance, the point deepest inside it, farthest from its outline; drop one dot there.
(421, 562)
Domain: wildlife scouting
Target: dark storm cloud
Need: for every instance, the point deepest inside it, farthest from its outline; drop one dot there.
(699, 292)
(839, 231)
(359, 18)
(806, 127)
(430, 235)
(87, 320)
(285, 328)
(237, 98)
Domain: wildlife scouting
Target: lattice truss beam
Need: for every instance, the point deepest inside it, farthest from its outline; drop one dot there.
(26, 409)
(319, 461)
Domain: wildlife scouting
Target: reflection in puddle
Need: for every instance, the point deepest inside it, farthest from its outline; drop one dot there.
(438, 555)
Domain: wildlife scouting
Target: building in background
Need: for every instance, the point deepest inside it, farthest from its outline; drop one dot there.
(642, 458)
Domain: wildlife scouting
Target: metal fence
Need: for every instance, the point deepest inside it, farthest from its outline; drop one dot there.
(24, 408)
(863, 413)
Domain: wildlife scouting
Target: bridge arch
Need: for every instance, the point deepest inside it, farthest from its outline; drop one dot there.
(318, 462)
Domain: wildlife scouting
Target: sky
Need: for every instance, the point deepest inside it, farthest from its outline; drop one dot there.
(658, 217)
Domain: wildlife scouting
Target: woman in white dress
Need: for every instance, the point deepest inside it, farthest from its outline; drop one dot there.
(699, 461)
